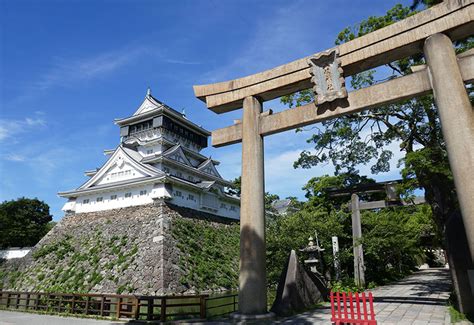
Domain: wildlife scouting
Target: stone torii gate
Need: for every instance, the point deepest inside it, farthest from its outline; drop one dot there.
(432, 32)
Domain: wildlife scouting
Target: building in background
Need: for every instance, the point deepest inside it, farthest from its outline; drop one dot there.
(158, 158)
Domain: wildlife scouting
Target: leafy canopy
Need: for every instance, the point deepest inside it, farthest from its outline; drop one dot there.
(23, 222)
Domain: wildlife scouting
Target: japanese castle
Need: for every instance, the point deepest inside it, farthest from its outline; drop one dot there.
(158, 158)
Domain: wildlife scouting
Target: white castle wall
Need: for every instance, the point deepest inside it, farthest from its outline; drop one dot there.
(181, 196)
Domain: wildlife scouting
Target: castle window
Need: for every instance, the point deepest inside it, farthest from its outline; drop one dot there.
(143, 192)
(99, 199)
(128, 194)
(179, 174)
(85, 201)
(149, 151)
(190, 178)
(178, 193)
(190, 197)
(232, 208)
(223, 206)
(113, 197)
(141, 126)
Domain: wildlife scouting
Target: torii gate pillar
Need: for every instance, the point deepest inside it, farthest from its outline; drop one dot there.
(252, 280)
(457, 122)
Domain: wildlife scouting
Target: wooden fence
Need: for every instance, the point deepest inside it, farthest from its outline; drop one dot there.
(161, 308)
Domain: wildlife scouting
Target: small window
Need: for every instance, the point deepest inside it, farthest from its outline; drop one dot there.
(223, 206)
(190, 178)
(85, 201)
(179, 174)
(178, 193)
(232, 208)
(166, 169)
(143, 192)
(99, 199)
(190, 197)
(149, 151)
(113, 197)
(128, 194)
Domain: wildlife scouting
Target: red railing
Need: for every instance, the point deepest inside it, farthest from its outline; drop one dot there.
(352, 308)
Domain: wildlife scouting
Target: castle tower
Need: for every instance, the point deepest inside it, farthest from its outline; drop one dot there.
(158, 158)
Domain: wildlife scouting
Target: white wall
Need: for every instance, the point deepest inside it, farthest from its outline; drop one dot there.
(143, 150)
(122, 199)
(118, 174)
(180, 196)
(14, 252)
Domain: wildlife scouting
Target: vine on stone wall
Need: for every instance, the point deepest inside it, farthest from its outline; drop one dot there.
(209, 254)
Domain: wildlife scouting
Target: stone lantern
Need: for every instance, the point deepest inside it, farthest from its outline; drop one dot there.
(314, 254)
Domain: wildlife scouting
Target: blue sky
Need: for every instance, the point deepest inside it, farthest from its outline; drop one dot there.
(68, 68)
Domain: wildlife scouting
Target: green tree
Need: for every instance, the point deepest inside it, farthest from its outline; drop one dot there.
(392, 239)
(365, 137)
(269, 197)
(23, 222)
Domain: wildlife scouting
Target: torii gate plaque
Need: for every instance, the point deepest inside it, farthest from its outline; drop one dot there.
(431, 31)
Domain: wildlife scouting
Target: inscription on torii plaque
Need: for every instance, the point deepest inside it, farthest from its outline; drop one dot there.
(327, 77)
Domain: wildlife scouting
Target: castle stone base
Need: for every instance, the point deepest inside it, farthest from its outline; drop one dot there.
(128, 250)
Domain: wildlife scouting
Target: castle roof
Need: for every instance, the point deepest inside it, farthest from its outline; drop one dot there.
(152, 107)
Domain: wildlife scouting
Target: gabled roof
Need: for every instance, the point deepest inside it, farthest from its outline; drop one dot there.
(177, 150)
(121, 156)
(149, 103)
(205, 184)
(209, 165)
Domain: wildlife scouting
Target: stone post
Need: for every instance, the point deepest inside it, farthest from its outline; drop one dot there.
(335, 253)
(359, 274)
(253, 279)
(457, 124)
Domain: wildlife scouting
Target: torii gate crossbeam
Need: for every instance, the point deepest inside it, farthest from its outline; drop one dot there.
(431, 31)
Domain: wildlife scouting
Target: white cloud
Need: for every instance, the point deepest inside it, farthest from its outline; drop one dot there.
(15, 157)
(184, 62)
(35, 121)
(10, 128)
(66, 71)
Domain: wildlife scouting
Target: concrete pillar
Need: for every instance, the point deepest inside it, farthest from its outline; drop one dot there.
(359, 274)
(253, 278)
(457, 122)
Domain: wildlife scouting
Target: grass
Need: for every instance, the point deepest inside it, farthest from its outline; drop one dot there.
(457, 316)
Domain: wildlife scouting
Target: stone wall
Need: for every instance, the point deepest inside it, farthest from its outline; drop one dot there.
(128, 250)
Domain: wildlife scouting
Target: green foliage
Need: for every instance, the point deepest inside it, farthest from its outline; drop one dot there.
(209, 253)
(292, 232)
(367, 138)
(60, 248)
(392, 238)
(456, 315)
(23, 222)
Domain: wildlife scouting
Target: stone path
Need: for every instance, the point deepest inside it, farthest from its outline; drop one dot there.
(418, 299)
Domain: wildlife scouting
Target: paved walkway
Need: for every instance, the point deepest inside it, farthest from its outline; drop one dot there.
(19, 318)
(418, 299)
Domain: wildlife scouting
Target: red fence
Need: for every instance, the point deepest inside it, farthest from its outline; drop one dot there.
(352, 308)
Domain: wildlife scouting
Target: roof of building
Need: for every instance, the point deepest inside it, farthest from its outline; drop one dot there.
(152, 107)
